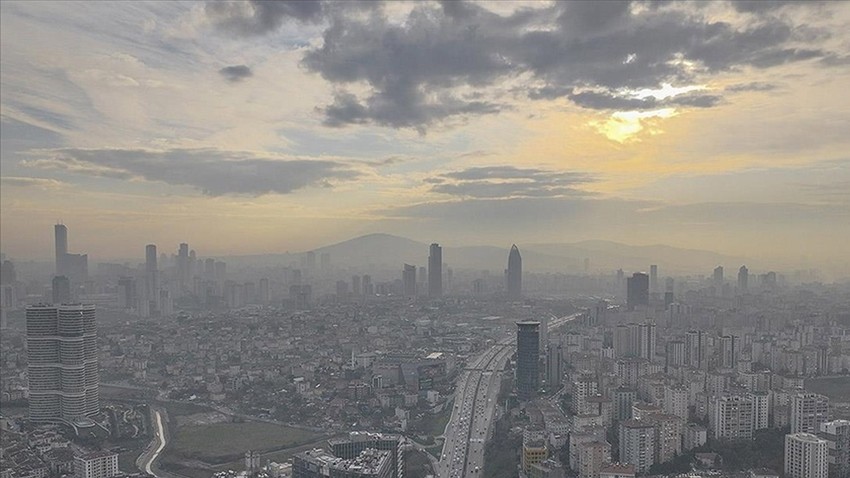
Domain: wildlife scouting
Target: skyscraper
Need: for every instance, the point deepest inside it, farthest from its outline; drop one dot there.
(408, 279)
(647, 339)
(806, 456)
(514, 273)
(151, 278)
(61, 290)
(653, 279)
(528, 359)
(62, 366)
(637, 290)
(743, 278)
(717, 279)
(435, 271)
(60, 234)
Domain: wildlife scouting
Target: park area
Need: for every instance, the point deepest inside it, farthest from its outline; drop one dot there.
(224, 442)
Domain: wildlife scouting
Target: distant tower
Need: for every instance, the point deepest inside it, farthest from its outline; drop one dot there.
(637, 290)
(743, 278)
(718, 277)
(62, 366)
(528, 359)
(514, 273)
(408, 278)
(435, 271)
(60, 233)
(653, 279)
(151, 277)
(61, 290)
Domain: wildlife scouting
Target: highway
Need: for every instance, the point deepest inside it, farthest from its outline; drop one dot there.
(149, 456)
(471, 424)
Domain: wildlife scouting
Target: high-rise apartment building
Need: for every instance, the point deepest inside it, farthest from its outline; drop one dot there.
(729, 351)
(806, 456)
(743, 279)
(647, 339)
(653, 279)
(837, 433)
(513, 274)
(731, 417)
(695, 346)
(637, 444)
(61, 290)
(637, 290)
(151, 278)
(528, 359)
(808, 411)
(62, 362)
(408, 279)
(435, 271)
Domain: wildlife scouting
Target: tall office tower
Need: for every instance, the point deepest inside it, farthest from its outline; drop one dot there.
(806, 456)
(183, 265)
(422, 277)
(647, 338)
(528, 357)
(729, 351)
(60, 235)
(743, 278)
(435, 271)
(808, 411)
(408, 279)
(127, 298)
(637, 290)
(151, 278)
(653, 279)
(837, 432)
(513, 274)
(355, 286)
(731, 417)
(61, 290)
(717, 279)
(62, 362)
(637, 444)
(695, 349)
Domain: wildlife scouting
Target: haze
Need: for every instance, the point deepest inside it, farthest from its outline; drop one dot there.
(245, 128)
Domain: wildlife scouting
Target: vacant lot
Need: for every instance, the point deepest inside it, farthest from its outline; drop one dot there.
(222, 442)
(836, 388)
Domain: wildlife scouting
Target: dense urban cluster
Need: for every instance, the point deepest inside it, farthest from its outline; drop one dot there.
(596, 375)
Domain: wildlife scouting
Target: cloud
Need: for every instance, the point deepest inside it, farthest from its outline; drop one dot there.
(24, 182)
(509, 182)
(752, 86)
(236, 73)
(258, 17)
(214, 172)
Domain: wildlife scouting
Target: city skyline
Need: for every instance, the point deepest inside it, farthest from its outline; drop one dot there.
(243, 129)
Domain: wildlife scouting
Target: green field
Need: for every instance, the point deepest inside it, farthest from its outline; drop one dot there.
(222, 442)
(836, 388)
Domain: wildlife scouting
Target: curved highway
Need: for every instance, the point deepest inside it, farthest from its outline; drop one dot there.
(149, 456)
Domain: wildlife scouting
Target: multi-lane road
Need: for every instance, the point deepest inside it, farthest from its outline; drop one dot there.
(475, 404)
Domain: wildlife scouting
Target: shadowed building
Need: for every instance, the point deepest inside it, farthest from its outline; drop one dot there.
(528, 358)
(637, 290)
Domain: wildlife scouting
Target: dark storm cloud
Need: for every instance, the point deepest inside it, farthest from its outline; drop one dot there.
(508, 181)
(419, 72)
(258, 17)
(211, 171)
(235, 73)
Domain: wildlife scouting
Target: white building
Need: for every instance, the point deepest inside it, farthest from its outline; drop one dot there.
(731, 417)
(100, 464)
(808, 411)
(806, 456)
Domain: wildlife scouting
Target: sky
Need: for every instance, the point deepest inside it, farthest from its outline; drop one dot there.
(256, 127)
